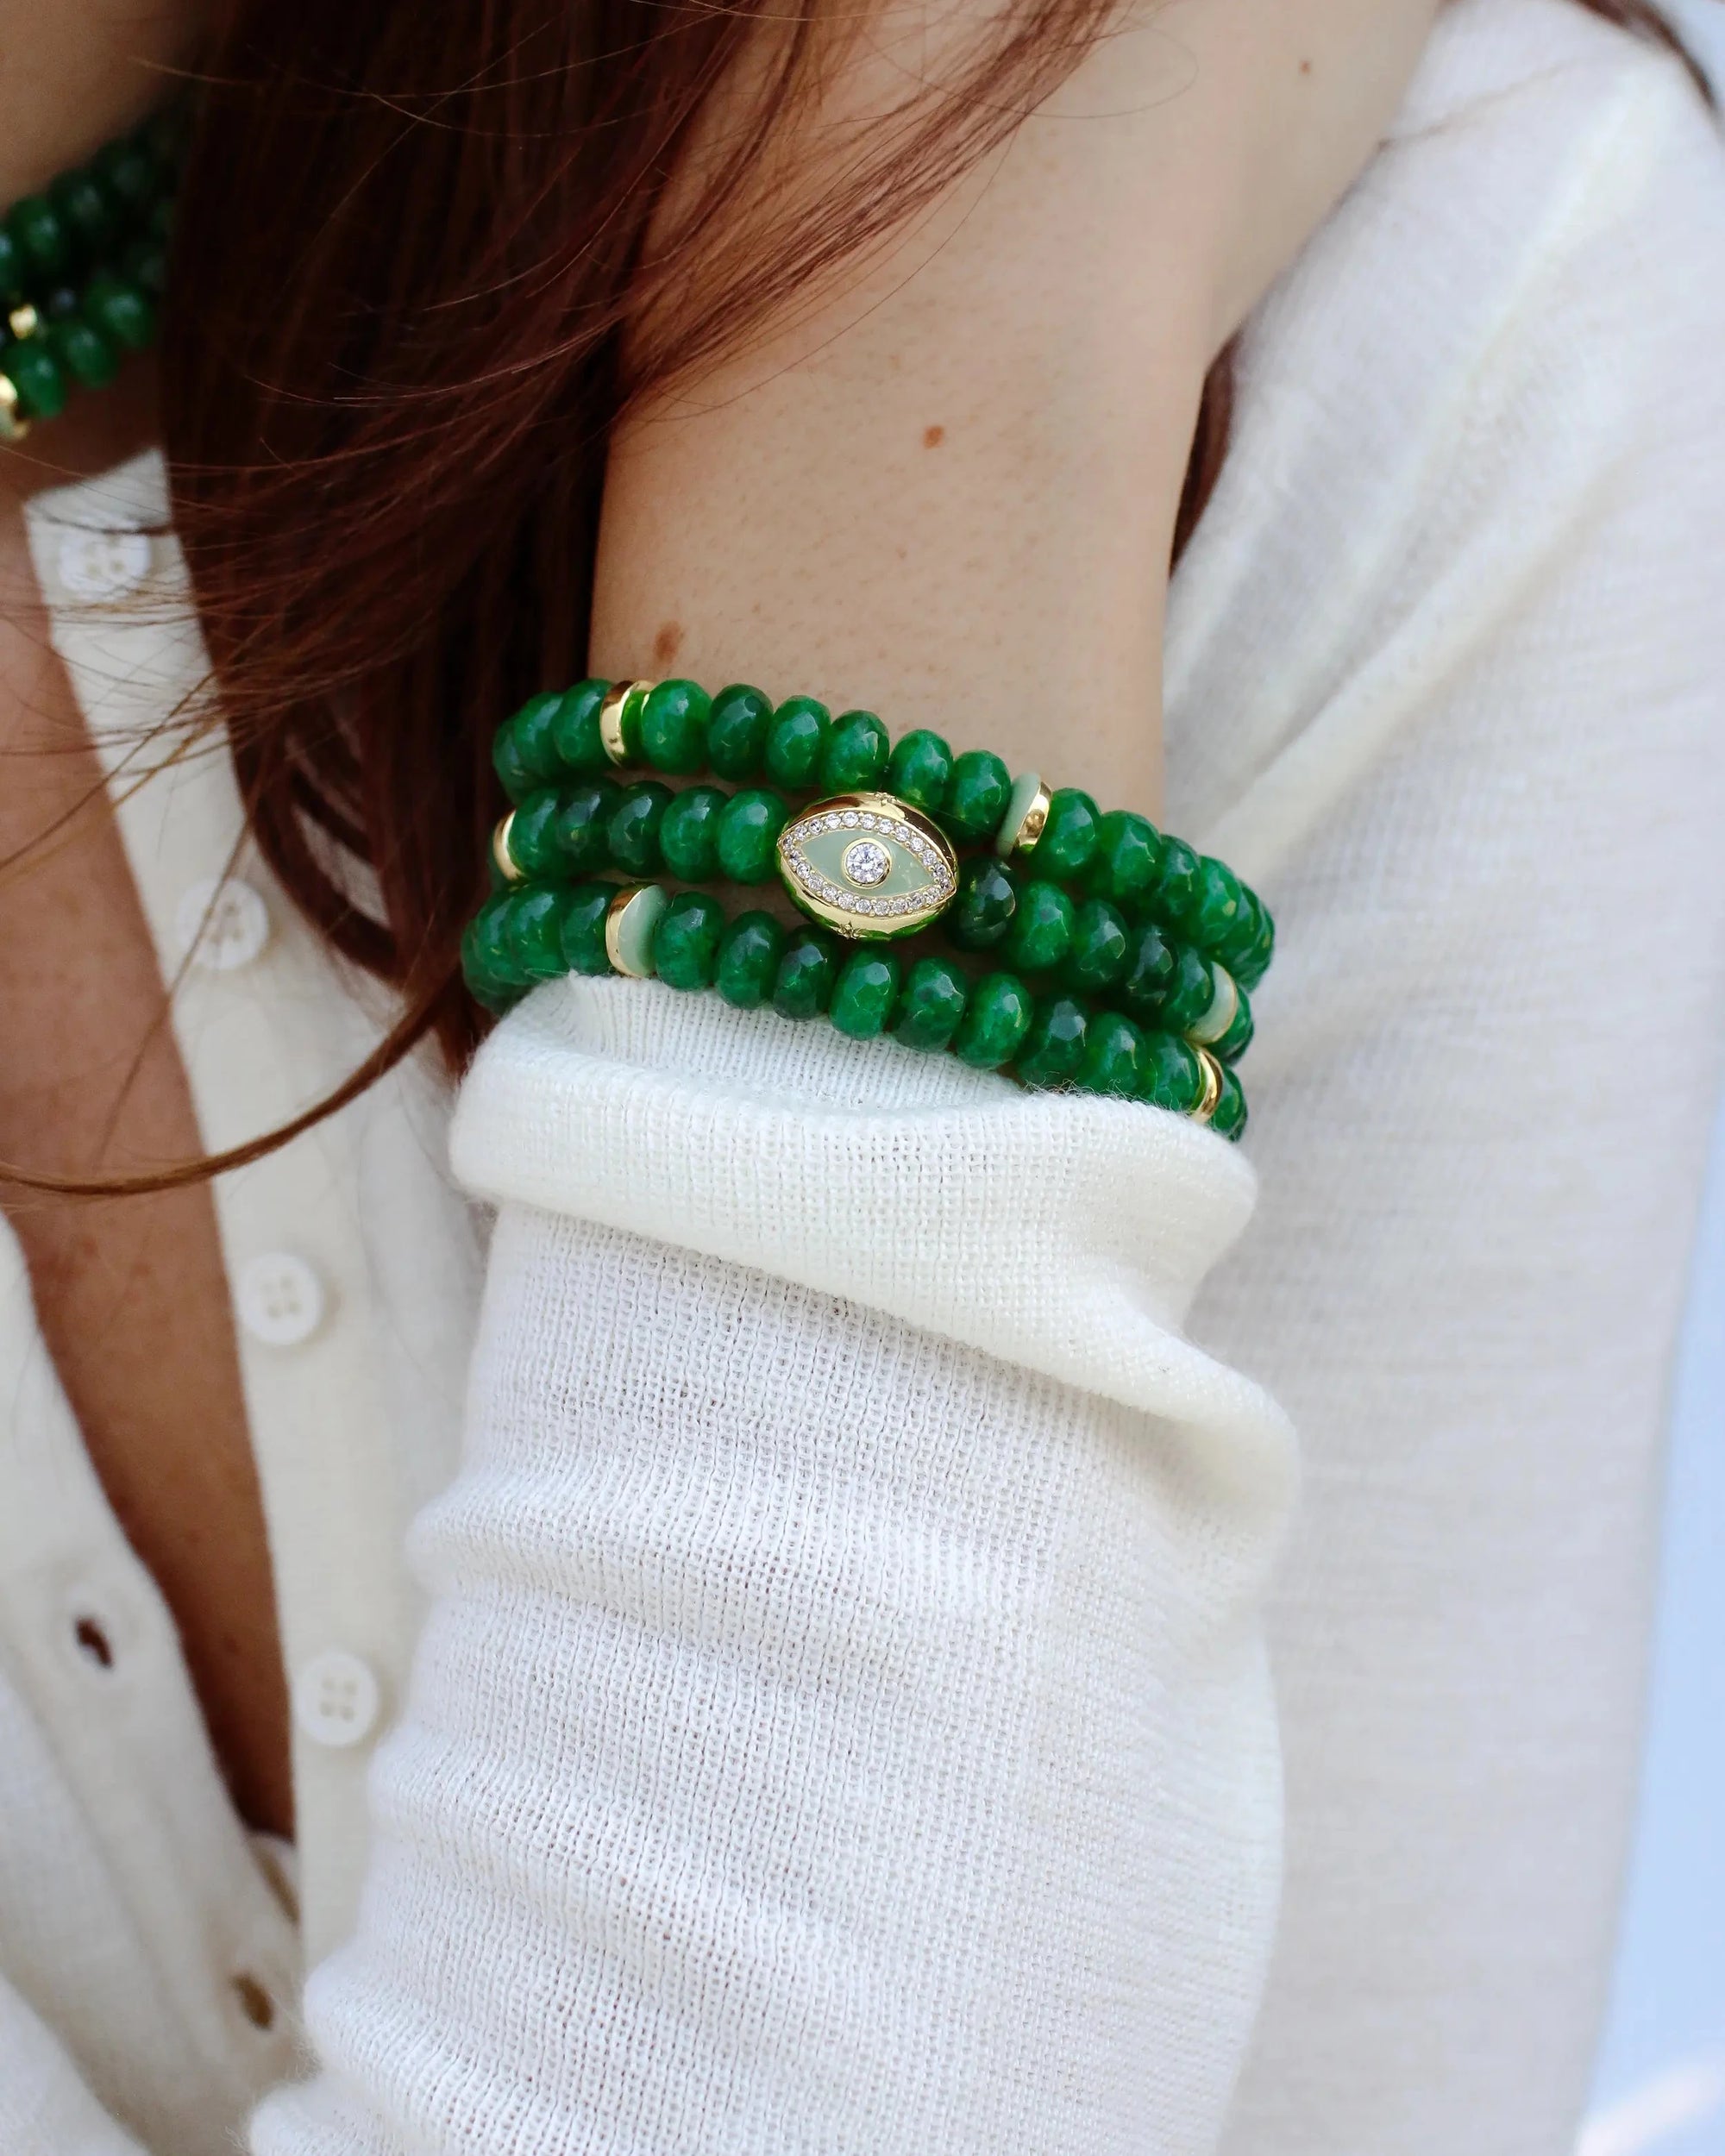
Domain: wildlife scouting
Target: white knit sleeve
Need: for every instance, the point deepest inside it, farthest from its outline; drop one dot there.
(45, 2109)
(842, 1722)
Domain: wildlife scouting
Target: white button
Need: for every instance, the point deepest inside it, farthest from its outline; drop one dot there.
(104, 564)
(281, 1298)
(221, 923)
(335, 1698)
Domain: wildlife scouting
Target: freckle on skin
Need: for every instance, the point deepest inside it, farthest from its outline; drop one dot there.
(667, 643)
(932, 437)
(1305, 67)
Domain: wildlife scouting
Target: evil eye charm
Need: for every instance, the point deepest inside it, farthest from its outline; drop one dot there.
(866, 866)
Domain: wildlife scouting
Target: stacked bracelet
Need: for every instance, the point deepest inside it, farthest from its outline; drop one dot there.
(1101, 910)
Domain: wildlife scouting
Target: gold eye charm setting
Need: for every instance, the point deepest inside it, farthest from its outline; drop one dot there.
(868, 866)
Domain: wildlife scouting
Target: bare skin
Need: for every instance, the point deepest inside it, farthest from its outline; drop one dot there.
(947, 494)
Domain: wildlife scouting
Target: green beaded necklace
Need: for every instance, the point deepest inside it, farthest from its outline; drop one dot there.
(1128, 956)
(82, 268)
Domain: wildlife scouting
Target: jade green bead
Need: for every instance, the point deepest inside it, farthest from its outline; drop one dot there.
(1070, 837)
(85, 209)
(37, 378)
(983, 906)
(632, 830)
(1171, 895)
(583, 829)
(120, 311)
(1249, 966)
(1169, 1073)
(129, 174)
(749, 956)
(748, 833)
(12, 268)
(1110, 1053)
(1040, 934)
(1101, 943)
(1127, 857)
(576, 745)
(931, 1004)
(491, 945)
(1233, 1044)
(993, 1028)
(736, 731)
(1229, 1117)
(533, 932)
(1053, 1049)
(918, 769)
(686, 941)
(583, 933)
(688, 837)
(807, 969)
(672, 723)
(1216, 906)
(864, 993)
(532, 730)
(144, 262)
(854, 755)
(1152, 962)
(532, 841)
(88, 356)
(976, 796)
(485, 986)
(1191, 992)
(42, 239)
(794, 741)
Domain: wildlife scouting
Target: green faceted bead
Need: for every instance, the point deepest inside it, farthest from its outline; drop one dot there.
(674, 718)
(688, 837)
(1152, 963)
(1069, 837)
(976, 796)
(483, 985)
(533, 932)
(533, 732)
(736, 731)
(1040, 934)
(533, 844)
(37, 378)
(854, 753)
(982, 912)
(686, 942)
(1101, 943)
(1169, 1073)
(120, 311)
(583, 826)
(1053, 1049)
(794, 741)
(1218, 906)
(993, 1028)
(84, 210)
(13, 271)
(1234, 1043)
(584, 917)
(1110, 1053)
(43, 241)
(1249, 966)
(1128, 855)
(807, 970)
(931, 1004)
(576, 747)
(918, 769)
(131, 176)
(1193, 991)
(864, 993)
(1229, 1118)
(145, 262)
(747, 832)
(749, 960)
(632, 832)
(84, 353)
(489, 942)
(1177, 884)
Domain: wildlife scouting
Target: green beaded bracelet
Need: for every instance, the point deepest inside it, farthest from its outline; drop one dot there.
(525, 934)
(878, 857)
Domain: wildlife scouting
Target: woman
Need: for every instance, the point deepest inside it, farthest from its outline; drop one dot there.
(840, 1716)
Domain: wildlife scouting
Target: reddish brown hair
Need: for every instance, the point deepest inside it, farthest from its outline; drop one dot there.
(412, 246)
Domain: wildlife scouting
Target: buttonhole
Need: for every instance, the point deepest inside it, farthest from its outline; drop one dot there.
(93, 1644)
(255, 2003)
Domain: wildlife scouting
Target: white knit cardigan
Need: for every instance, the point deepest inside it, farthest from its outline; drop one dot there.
(841, 1720)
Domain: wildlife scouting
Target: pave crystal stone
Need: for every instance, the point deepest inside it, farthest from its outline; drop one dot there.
(867, 862)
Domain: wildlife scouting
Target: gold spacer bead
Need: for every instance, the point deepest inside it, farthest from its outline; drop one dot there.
(507, 866)
(611, 715)
(1213, 1084)
(24, 321)
(13, 425)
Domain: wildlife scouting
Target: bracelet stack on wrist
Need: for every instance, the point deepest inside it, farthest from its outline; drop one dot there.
(1126, 957)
